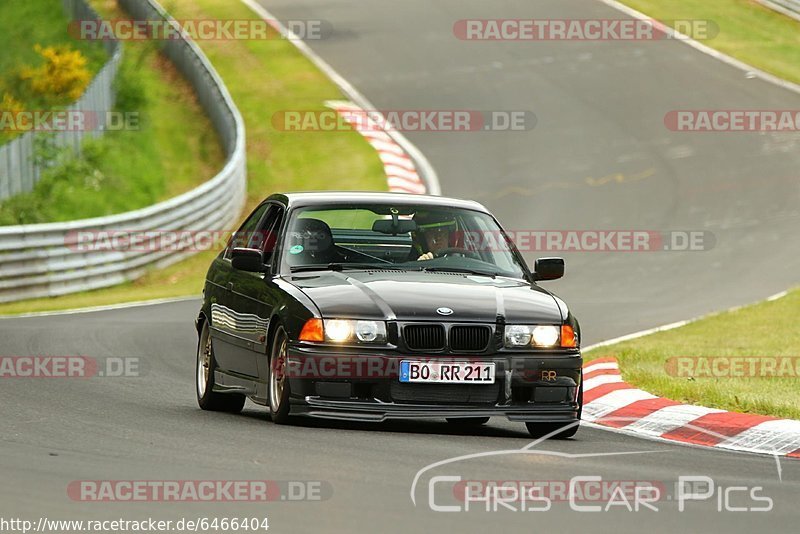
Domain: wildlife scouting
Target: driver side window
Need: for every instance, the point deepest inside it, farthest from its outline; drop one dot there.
(267, 238)
(244, 234)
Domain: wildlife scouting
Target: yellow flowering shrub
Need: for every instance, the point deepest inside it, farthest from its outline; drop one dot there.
(11, 104)
(63, 77)
(9, 107)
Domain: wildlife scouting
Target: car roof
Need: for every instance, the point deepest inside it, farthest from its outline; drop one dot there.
(314, 198)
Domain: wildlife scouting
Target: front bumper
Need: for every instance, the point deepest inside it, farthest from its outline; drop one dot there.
(364, 386)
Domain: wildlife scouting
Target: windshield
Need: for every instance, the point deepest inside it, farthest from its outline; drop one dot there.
(403, 237)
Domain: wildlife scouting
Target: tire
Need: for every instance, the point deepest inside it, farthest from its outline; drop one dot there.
(204, 379)
(277, 384)
(468, 421)
(538, 430)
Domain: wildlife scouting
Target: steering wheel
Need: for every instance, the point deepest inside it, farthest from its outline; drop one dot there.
(445, 252)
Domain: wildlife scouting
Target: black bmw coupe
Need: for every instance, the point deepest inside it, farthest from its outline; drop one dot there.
(369, 306)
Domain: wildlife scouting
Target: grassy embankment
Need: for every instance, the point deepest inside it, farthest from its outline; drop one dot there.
(764, 330)
(748, 31)
(263, 77)
(157, 157)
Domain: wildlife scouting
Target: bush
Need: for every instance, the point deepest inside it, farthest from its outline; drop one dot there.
(61, 193)
(131, 93)
(62, 79)
(9, 105)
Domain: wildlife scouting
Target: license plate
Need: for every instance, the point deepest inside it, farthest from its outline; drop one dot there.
(447, 372)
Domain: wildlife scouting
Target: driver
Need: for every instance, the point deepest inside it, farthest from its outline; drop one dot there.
(434, 234)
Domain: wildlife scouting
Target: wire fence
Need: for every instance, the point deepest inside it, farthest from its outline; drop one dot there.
(41, 260)
(20, 169)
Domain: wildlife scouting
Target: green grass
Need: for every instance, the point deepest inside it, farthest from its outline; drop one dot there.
(748, 31)
(767, 329)
(30, 22)
(263, 77)
(172, 149)
(268, 76)
(24, 25)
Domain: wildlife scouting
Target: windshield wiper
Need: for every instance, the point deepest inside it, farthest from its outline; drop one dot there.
(461, 270)
(344, 266)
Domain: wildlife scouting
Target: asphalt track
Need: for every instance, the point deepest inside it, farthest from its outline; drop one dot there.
(600, 109)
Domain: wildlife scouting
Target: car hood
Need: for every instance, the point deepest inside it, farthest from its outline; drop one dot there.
(416, 296)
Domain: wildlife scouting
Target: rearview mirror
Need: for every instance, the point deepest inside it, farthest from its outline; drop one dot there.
(548, 269)
(388, 226)
(248, 259)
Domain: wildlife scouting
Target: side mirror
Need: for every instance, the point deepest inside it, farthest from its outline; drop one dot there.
(248, 259)
(548, 269)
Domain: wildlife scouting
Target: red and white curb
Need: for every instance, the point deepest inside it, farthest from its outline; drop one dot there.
(610, 401)
(401, 173)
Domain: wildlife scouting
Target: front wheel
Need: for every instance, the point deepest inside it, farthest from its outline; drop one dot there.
(278, 383)
(539, 430)
(204, 382)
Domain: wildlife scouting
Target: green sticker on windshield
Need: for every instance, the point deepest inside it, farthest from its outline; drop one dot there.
(297, 249)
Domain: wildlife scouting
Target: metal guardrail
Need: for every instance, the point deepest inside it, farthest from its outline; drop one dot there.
(38, 260)
(19, 171)
(790, 8)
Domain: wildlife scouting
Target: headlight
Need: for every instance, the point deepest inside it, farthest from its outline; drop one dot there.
(518, 336)
(542, 336)
(338, 330)
(370, 331)
(545, 336)
(346, 330)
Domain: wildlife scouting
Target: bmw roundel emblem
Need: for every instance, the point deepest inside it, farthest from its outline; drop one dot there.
(444, 311)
